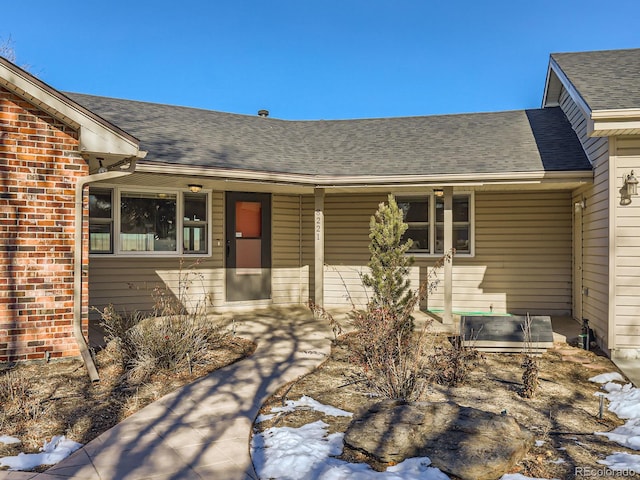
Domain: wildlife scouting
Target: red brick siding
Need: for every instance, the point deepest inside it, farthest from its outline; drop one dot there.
(39, 166)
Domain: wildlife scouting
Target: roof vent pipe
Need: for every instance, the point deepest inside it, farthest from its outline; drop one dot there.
(263, 113)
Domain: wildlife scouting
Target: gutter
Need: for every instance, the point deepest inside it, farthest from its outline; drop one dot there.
(352, 181)
(77, 261)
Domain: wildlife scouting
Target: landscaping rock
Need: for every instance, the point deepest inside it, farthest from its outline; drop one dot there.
(461, 441)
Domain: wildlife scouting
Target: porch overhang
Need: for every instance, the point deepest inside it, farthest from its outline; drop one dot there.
(282, 182)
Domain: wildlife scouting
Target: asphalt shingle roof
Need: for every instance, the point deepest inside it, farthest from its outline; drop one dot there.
(607, 79)
(514, 141)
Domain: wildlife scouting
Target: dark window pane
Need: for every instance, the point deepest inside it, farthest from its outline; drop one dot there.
(460, 239)
(420, 237)
(461, 209)
(148, 222)
(195, 208)
(415, 210)
(100, 203)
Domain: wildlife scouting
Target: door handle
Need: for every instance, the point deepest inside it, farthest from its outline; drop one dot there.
(228, 248)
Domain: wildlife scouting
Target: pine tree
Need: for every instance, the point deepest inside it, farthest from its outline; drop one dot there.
(389, 263)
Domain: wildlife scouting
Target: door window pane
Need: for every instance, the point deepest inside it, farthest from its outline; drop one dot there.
(248, 219)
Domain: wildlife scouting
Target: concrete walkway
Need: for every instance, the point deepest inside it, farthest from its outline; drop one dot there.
(202, 430)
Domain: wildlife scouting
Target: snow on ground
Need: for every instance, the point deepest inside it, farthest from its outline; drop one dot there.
(622, 461)
(308, 453)
(7, 440)
(304, 402)
(607, 377)
(624, 401)
(53, 452)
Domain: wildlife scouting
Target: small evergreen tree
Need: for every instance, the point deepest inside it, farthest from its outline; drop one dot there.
(389, 263)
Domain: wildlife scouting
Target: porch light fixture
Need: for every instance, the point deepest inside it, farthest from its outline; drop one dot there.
(195, 188)
(438, 192)
(631, 185)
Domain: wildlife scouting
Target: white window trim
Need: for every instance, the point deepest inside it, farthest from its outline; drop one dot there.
(432, 222)
(179, 193)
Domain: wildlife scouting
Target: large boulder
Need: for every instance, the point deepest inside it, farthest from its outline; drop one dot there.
(461, 441)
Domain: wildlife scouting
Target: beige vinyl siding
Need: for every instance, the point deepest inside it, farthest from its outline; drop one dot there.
(289, 281)
(129, 282)
(593, 253)
(522, 259)
(347, 246)
(522, 262)
(627, 251)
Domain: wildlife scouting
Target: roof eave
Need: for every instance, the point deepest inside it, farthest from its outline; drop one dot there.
(96, 135)
(605, 123)
(340, 181)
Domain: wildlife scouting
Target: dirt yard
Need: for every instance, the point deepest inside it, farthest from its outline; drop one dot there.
(43, 400)
(563, 414)
(38, 401)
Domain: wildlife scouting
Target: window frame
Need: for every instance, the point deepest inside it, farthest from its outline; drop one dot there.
(433, 223)
(116, 196)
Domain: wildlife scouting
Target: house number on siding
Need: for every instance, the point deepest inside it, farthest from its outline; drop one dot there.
(318, 224)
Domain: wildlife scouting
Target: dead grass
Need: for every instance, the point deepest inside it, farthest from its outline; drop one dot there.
(563, 412)
(38, 401)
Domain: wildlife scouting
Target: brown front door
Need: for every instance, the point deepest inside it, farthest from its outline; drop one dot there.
(248, 246)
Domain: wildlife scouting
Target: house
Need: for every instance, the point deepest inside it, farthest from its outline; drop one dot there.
(535, 202)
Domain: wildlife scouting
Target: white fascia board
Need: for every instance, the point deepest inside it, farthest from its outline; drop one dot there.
(605, 123)
(328, 181)
(571, 90)
(97, 136)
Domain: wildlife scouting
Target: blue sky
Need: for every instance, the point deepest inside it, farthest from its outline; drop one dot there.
(309, 59)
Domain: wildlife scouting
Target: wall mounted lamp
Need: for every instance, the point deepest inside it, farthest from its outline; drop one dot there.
(631, 185)
(438, 192)
(581, 205)
(195, 188)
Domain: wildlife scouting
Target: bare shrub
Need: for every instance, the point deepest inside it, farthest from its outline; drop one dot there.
(390, 355)
(15, 397)
(450, 365)
(177, 335)
(320, 312)
(529, 363)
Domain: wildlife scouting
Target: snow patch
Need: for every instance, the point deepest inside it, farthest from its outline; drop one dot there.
(607, 377)
(309, 402)
(307, 452)
(53, 452)
(622, 461)
(7, 440)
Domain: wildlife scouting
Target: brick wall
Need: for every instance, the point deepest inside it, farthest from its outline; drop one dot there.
(39, 166)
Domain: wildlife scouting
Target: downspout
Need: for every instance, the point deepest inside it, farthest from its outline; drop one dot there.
(77, 262)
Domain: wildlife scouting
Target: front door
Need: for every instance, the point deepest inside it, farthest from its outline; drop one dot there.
(248, 246)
